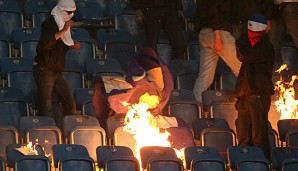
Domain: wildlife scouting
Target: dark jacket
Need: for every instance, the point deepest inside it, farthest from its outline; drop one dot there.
(255, 77)
(141, 4)
(243, 9)
(50, 52)
(214, 14)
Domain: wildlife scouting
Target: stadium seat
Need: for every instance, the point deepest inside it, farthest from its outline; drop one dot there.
(116, 158)
(247, 157)
(280, 154)
(87, 48)
(198, 158)
(70, 152)
(220, 138)
(89, 136)
(292, 138)
(28, 122)
(25, 163)
(9, 135)
(11, 16)
(5, 45)
(37, 11)
(127, 21)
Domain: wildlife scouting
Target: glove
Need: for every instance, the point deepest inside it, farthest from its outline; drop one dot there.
(155, 75)
(140, 18)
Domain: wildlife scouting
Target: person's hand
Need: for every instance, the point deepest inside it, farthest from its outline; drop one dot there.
(77, 45)
(181, 15)
(268, 28)
(68, 24)
(140, 18)
(217, 41)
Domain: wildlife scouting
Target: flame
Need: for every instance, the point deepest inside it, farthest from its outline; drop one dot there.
(286, 103)
(144, 126)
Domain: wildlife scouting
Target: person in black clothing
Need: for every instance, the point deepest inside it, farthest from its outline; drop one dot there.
(242, 10)
(156, 15)
(254, 86)
(49, 62)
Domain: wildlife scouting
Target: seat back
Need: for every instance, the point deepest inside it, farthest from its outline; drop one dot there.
(196, 157)
(237, 154)
(280, 154)
(2, 164)
(99, 67)
(70, 122)
(86, 50)
(11, 16)
(123, 52)
(96, 137)
(104, 36)
(106, 153)
(76, 164)
(9, 135)
(25, 163)
(28, 122)
(150, 152)
(159, 164)
(24, 80)
(25, 39)
(284, 126)
(15, 151)
(61, 152)
(211, 96)
(45, 136)
(292, 138)
(225, 110)
(227, 81)
(117, 7)
(201, 123)
(186, 80)
(5, 45)
(219, 138)
(127, 21)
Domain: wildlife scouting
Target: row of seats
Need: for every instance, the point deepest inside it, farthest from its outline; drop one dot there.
(215, 136)
(195, 158)
(91, 13)
(24, 40)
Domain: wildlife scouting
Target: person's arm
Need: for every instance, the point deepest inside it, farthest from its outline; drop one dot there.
(262, 52)
(67, 25)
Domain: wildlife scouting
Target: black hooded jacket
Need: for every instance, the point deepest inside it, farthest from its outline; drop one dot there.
(255, 77)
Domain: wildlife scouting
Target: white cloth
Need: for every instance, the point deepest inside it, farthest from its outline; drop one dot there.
(61, 16)
(256, 26)
(277, 2)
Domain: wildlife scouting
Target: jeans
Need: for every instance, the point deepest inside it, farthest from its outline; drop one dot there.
(47, 82)
(252, 121)
(209, 58)
(287, 20)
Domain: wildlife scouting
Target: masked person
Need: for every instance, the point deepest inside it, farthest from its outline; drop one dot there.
(49, 62)
(147, 74)
(254, 86)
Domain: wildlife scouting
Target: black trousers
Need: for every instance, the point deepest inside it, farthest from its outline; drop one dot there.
(252, 121)
(166, 19)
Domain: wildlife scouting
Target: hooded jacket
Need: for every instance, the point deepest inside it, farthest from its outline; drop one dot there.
(255, 77)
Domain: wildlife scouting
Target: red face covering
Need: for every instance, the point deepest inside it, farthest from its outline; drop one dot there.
(255, 36)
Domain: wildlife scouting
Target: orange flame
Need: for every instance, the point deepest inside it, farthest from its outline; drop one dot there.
(286, 104)
(144, 126)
